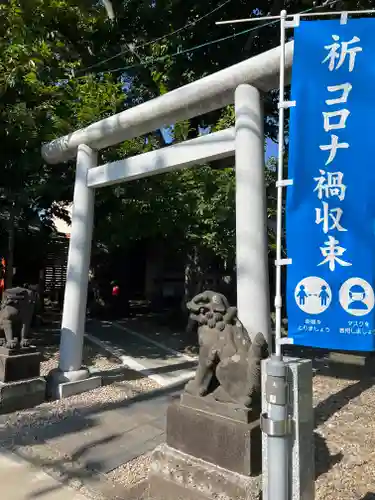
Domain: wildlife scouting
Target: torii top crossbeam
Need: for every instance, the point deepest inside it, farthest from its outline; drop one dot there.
(202, 96)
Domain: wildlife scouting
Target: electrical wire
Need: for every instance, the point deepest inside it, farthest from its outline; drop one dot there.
(146, 44)
(153, 60)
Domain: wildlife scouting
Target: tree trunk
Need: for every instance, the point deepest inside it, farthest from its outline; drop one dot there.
(41, 288)
(10, 254)
(194, 275)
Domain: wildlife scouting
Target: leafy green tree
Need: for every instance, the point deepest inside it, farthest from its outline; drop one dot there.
(65, 64)
(41, 42)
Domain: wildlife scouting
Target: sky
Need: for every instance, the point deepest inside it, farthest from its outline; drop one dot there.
(271, 147)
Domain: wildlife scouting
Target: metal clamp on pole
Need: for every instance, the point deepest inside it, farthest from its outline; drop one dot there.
(275, 427)
(276, 424)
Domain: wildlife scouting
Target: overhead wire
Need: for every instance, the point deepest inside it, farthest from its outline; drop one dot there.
(155, 40)
(153, 60)
(183, 51)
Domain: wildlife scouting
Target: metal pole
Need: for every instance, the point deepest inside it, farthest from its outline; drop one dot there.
(75, 298)
(251, 217)
(276, 424)
(305, 13)
(275, 421)
(279, 215)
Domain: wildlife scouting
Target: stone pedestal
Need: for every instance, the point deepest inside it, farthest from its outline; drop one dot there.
(233, 444)
(18, 364)
(213, 450)
(178, 476)
(351, 363)
(22, 394)
(64, 384)
(20, 383)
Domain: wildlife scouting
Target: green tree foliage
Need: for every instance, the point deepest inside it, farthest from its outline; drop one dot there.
(65, 64)
(40, 45)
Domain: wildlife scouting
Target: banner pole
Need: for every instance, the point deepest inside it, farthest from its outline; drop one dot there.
(275, 422)
(280, 164)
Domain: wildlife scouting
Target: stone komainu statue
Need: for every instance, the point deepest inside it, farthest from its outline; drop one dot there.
(229, 362)
(15, 316)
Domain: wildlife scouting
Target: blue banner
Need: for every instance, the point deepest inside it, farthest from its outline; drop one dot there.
(330, 212)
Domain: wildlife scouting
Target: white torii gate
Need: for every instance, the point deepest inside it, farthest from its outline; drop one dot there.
(242, 84)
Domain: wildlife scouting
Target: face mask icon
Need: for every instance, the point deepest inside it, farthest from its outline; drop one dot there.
(357, 295)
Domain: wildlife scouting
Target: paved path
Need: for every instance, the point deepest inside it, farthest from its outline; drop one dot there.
(137, 426)
(142, 353)
(19, 480)
(103, 440)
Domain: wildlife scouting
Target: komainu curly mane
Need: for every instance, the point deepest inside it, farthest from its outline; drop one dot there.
(229, 362)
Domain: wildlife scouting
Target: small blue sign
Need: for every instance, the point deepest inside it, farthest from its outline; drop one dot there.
(330, 213)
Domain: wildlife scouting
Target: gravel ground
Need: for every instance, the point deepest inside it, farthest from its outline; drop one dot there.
(344, 441)
(345, 426)
(22, 432)
(139, 385)
(93, 356)
(133, 472)
(21, 426)
(344, 433)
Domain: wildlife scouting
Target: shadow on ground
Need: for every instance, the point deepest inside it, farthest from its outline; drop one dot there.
(141, 340)
(122, 373)
(335, 402)
(40, 427)
(47, 340)
(324, 461)
(78, 467)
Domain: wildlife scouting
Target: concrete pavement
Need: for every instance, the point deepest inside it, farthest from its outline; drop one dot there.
(20, 480)
(164, 365)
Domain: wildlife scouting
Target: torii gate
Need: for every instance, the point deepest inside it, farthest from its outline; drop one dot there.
(241, 83)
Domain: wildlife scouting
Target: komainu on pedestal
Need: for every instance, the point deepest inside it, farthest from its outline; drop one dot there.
(213, 447)
(229, 362)
(16, 312)
(20, 383)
